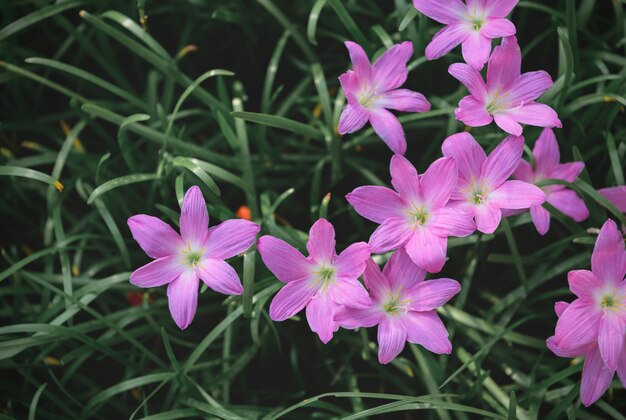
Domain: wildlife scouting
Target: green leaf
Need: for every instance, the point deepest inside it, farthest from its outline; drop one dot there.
(37, 16)
(280, 122)
(30, 174)
(119, 182)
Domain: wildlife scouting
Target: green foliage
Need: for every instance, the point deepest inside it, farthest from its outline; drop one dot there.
(118, 109)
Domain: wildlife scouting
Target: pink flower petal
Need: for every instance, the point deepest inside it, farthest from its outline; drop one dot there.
(571, 353)
(155, 237)
(471, 78)
(467, 154)
(350, 293)
(559, 307)
(500, 8)
(472, 112)
(446, 11)
(578, 324)
(438, 182)
(351, 262)
(401, 272)
(487, 218)
(524, 172)
(503, 161)
(529, 86)
(391, 338)
(376, 203)
(375, 281)
(388, 128)
(404, 100)
(350, 84)
(353, 118)
(427, 330)
(194, 218)
(219, 276)
(446, 39)
(567, 171)
(320, 313)
(476, 49)
(517, 195)
(539, 115)
(616, 195)
(608, 261)
(504, 65)
(546, 152)
(352, 318)
(496, 27)
(158, 272)
(449, 221)
(570, 204)
(321, 243)
(291, 299)
(596, 378)
(182, 297)
(390, 71)
(611, 339)
(427, 250)
(230, 238)
(284, 261)
(431, 294)
(360, 62)
(621, 370)
(508, 124)
(391, 234)
(541, 218)
(583, 283)
(404, 178)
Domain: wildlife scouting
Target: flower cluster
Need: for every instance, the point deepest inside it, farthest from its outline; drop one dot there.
(464, 191)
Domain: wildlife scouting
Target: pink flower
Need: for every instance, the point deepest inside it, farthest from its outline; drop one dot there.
(482, 189)
(547, 158)
(403, 307)
(616, 195)
(594, 324)
(473, 24)
(372, 89)
(321, 282)
(197, 253)
(508, 97)
(415, 216)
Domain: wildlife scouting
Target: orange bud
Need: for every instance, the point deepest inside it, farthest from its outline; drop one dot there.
(244, 212)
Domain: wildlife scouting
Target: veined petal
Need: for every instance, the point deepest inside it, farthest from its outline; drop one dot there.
(391, 234)
(391, 338)
(471, 78)
(541, 218)
(508, 124)
(438, 182)
(230, 238)
(446, 39)
(159, 272)
(321, 243)
(529, 86)
(504, 64)
(487, 218)
(284, 261)
(390, 71)
(524, 172)
(583, 283)
(350, 293)
(404, 100)
(320, 313)
(570, 204)
(476, 49)
(467, 154)
(427, 250)
(427, 330)
(402, 272)
(291, 299)
(472, 112)
(154, 236)
(578, 325)
(621, 370)
(532, 113)
(352, 318)
(503, 161)
(350, 84)
(360, 62)
(388, 128)
(571, 353)
(497, 27)
(517, 195)
(546, 152)
(608, 261)
(616, 195)
(431, 294)
(375, 280)
(353, 118)
(559, 307)
(404, 178)
(182, 298)
(567, 171)
(194, 217)
(500, 8)
(351, 262)
(376, 203)
(596, 378)
(449, 221)
(219, 276)
(443, 11)
(611, 339)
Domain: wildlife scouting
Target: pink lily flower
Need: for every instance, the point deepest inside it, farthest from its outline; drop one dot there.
(321, 282)
(473, 24)
(547, 158)
(482, 189)
(416, 216)
(372, 89)
(403, 306)
(508, 97)
(616, 195)
(594, 324)
(198, 253)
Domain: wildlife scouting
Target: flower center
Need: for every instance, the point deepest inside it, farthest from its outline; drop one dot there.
(608, 301)
(394, 306)
(477, 23)
(324, 277)
(367, 98)
(497, 101)
(192, 257)
(612, 301)
(419, 215)
(477, 192)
